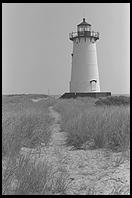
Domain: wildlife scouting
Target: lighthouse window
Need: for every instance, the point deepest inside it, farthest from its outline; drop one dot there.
(84, 28)
(81, 29)
(93, 85)
(87, 29)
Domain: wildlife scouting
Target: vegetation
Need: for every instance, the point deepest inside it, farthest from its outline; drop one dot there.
(89, 123)
(26, 124)
(113, 100)
(26, 177)
(95, 126)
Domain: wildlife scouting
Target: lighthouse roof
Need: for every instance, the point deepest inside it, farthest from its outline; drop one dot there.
(84, 23)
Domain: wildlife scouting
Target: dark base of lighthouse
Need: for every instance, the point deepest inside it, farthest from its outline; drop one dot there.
(87, 94)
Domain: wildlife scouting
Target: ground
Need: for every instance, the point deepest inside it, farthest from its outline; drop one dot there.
(98, 171)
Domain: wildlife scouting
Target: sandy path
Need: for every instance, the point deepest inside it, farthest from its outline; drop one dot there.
(58, 137)
(90, 171)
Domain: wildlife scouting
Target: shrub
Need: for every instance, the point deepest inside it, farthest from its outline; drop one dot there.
(113, 100)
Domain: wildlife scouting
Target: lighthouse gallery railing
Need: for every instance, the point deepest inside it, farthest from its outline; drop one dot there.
(84, 33)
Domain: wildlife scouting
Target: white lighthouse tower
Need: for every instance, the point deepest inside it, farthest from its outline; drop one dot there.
(84, 73)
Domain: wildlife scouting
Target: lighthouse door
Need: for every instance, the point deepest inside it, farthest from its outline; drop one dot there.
(93, 85)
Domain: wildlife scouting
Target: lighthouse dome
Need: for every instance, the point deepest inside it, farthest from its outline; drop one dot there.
(84, 26)
(84, 23)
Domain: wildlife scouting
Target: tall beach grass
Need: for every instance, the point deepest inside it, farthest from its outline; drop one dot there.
(97, 126)
(24, 124)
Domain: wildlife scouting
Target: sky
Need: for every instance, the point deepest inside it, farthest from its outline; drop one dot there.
(36, 50)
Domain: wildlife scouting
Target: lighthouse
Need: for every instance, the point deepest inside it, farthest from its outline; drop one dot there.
(84, 73)
(84, 70)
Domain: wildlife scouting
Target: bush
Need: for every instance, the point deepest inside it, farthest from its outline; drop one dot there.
(113, 100)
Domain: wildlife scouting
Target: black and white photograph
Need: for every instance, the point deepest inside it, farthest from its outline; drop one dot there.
(66, 98)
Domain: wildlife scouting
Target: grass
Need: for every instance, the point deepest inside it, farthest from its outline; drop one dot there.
(113, 100)
(97, 126)
(27, 124)
(25, 129)
(28, 177)
(24, 123)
